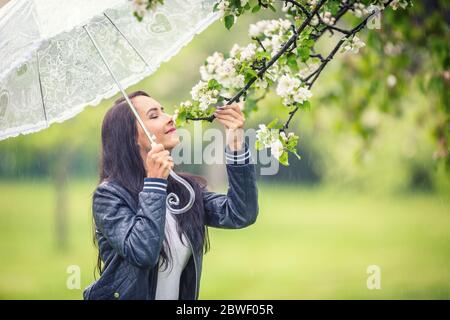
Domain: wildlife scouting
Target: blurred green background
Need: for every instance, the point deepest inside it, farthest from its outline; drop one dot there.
(372, 187)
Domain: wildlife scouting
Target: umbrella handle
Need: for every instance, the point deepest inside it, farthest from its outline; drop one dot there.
(172, 199)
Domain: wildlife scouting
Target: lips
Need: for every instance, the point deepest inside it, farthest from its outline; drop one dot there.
(170, 130)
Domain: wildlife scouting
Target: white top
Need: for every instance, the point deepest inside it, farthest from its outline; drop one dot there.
(168, 284)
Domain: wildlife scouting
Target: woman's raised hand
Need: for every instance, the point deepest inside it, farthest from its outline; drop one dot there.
(233, 119)
(158, 162)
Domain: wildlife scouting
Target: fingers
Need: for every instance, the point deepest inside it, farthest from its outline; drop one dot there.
(227, 123)
(231, 116)
(160, 158)
(226, 117)
(159, 162)
(156, 147)
(231, 112)
(234, 106)
(230, 121)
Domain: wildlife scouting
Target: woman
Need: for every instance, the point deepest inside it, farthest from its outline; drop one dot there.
(146, 251)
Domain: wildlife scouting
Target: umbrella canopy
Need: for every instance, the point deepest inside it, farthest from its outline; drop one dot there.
(50, 69)
(56, 57)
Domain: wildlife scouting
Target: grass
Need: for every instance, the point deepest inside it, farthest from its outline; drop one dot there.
(308, 243)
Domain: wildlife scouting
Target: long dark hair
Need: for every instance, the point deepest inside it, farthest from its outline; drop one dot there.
(121, 162)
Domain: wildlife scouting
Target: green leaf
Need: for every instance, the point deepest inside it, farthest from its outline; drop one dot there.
(250, 105)
(282, 60)
(333, 7)
(259, 145)
(272, 123)
(284, 159)
(181, 118)
(256, 8)
(306, 105)
(308, 30)
(229, 21)
(292, 143)
(292, 62)
(252, 72)
(213, 84)
(303, 53)
(309, 43)
(138, 17)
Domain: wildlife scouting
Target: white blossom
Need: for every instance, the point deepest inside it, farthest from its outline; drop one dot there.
(243, 53)
(306, 71)
(175, 115)
(328, 18)
(261, 83)
(223, 6)
(212, 63)
(353, 45)
(266, 136)
(399, 4)
(291, 90)
(277, 149)
(269, 28)
(287, 6)
(224, 70)
(186, 103)
(303, 94)
(391, 80)
(140, 7)
(272, 34)
(312, 3)
(360, 10)
(203, 95)
(393, 49)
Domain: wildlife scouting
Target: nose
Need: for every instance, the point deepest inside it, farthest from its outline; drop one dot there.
(170, 119)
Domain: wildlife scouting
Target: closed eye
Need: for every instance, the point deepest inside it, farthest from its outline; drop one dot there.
(153, 113)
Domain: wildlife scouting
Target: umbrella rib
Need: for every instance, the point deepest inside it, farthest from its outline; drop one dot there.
(126, 39)
(108, 67)
(40, 87)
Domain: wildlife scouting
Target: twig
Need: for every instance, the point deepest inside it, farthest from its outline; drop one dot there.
(285, 47)
(332, 27)
(325, 61)
(300, 6)
(260, 43)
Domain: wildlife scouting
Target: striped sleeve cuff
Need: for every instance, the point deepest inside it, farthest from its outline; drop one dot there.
(241, 156)
(155, 185)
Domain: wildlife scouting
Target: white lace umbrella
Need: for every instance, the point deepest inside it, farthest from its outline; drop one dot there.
(56, 57)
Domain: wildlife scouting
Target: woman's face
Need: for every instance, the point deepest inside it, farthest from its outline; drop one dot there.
(157, 122)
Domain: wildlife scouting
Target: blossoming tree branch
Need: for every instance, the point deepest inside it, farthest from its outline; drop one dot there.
(281, 54)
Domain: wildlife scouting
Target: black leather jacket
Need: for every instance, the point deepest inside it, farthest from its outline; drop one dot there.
(130, 238)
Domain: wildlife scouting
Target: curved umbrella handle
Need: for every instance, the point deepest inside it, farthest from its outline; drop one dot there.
(172, 199)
